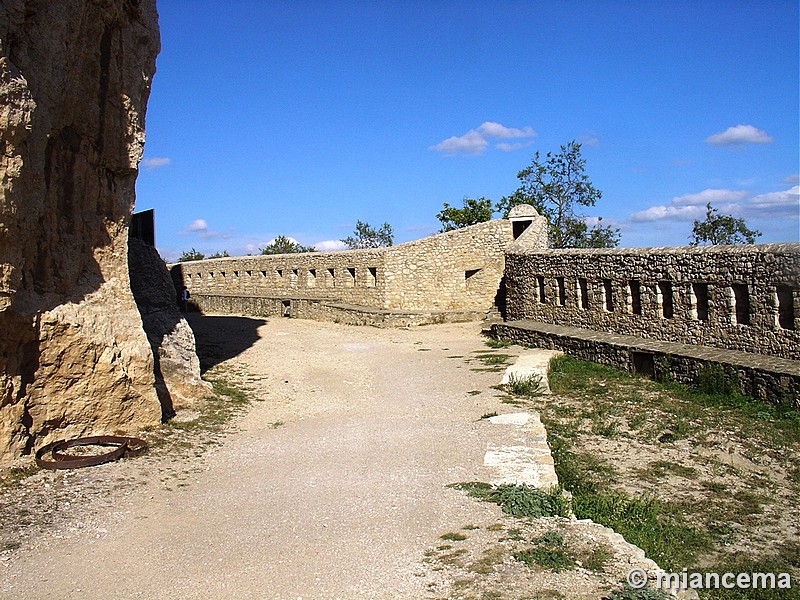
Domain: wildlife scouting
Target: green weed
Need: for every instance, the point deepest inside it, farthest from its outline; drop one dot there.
(495, 343)
(525, 385)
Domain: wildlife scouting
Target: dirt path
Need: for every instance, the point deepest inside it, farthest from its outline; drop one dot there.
(332, 485)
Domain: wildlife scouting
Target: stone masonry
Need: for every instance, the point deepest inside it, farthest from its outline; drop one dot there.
(744, 298)
(441, 276)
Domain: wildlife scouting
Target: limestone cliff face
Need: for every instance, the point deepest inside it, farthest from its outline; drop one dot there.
(74, 81)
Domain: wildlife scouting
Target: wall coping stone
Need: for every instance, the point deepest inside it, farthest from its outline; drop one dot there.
(782, 248)
(706, 353)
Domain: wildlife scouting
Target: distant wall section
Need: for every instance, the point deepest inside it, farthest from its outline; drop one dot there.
(458, 271)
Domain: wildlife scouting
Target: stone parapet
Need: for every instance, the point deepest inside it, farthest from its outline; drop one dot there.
(744, 298)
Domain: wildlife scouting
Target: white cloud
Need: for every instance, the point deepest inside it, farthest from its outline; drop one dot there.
(200, 227)
(155, 162)
(714, 196)
(791, 179)
(590, 139)
(197, 226)
(739, 135)
(673, 213)
(475, 141)
(506, 147)
(785, 204)
(782, 205)
(330, 246)
(496, 130)
(471, 142)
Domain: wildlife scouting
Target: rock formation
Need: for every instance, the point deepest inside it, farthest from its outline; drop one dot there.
(74, 81)
(177, 368)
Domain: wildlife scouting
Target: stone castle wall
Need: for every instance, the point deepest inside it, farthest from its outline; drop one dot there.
(744, 298)
(453, 271)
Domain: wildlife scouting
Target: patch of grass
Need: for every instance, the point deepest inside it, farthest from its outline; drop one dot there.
(519, 500)
(658, 528)
(453, 537)
(596, 559)
(223, 388)
(452, 557)
(489, 558)
(495, 359)
(13, 475)
(566, 373)
(607, 429)
(525, 385)
(276, 424)
(739, 563)
(659, 469)
(548, 552)
(495, 343)
(526, 501)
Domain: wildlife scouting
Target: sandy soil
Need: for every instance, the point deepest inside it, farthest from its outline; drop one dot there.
(332, 484)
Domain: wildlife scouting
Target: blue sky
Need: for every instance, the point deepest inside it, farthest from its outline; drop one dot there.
(298, 118)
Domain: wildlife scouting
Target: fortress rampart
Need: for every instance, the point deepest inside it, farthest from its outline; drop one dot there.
(457, 272)
(744, 298)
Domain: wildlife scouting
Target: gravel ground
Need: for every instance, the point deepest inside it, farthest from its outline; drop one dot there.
(331, 484)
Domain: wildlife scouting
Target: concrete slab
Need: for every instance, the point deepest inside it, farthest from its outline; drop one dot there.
(532, 362)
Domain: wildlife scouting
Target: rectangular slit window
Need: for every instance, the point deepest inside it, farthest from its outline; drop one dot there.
(469, 274)
(785, 307)
(332, 277)
(311, 279)
(665, 291)
(635, 289)
(700, 293)
(643, 364)
(351, 276)
(583, 292)
(263, 273)
(372, 276)
(279, 273)
(741, 301)
(540, 280)
(608, 293)
(562, 292)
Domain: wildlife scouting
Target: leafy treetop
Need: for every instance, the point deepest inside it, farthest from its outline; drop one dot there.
(284, 245)
(191, 255)
(473, 211)
(555, 186)
(365, 236)
(719, 229)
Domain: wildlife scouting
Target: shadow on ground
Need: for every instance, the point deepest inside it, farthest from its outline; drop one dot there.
(222, 337)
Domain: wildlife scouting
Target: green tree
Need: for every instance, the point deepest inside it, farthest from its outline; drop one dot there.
(284, 245)
(365, 236)
(473, 211)
(719, 229)
(556, 186)
(223, 254)
(191, 255)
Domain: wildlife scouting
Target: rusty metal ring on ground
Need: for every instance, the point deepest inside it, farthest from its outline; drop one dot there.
(123, 446)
